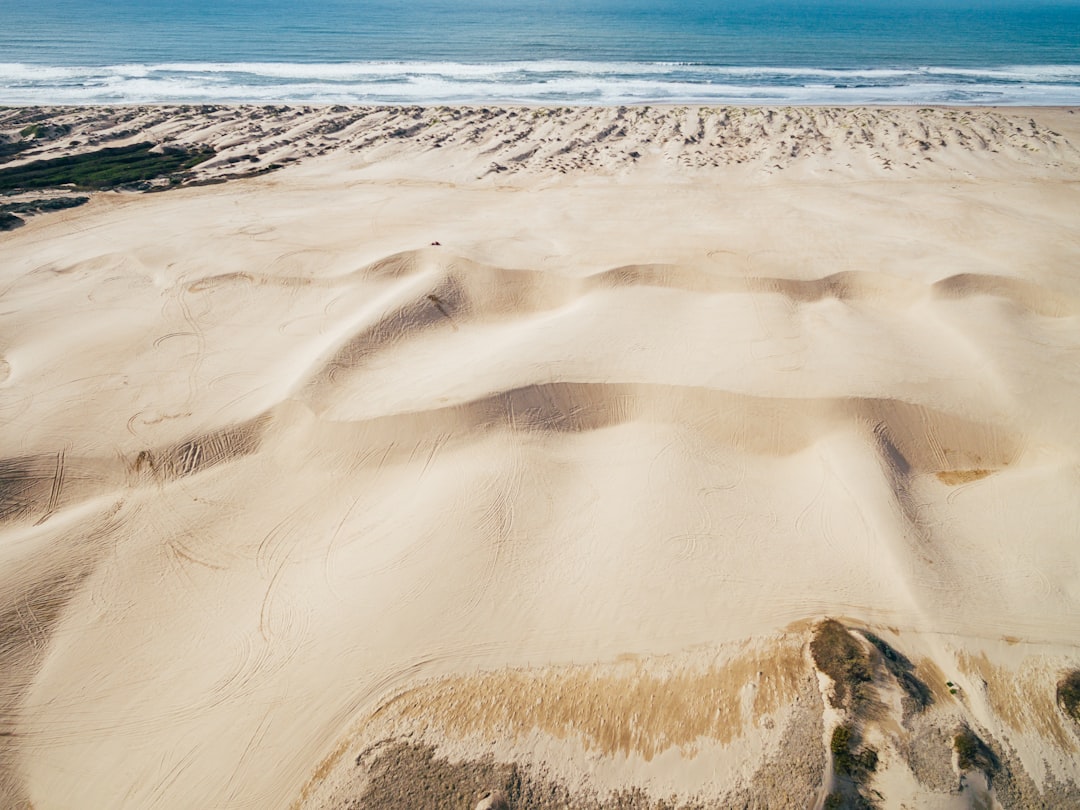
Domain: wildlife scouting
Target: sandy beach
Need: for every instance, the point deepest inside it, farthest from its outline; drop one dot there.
(629, 457)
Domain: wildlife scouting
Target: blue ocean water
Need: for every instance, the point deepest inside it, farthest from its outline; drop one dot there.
(537, 51)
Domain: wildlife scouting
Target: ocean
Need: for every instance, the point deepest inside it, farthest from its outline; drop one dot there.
(970, 52)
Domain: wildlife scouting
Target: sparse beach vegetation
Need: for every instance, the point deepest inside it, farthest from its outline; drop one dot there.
(43, 205)
(853, 764)
(1068, 694)
(9, 222)
(108, 168)
(917, 695)
(972, 753)
(843, 659)
(840, 801)
(9, 149)
(409, 775)
(849, 760)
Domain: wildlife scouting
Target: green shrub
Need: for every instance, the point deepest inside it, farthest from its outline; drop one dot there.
(1068, 694)
(9, 149)
(848, 762)
(41, 205)
(104, 168)
(840, 744)
(853, 800)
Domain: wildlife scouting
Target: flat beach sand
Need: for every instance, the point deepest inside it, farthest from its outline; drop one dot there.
(631, 458)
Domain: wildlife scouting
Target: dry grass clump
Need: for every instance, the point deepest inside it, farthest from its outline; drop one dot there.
(956, 477)
(639, 707)
(855, 763)
(840, 656)
(972, 753)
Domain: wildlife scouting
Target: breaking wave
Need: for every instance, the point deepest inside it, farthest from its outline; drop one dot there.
(532, 82)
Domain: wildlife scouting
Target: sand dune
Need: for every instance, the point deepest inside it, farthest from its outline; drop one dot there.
(506, 140)
(699, 435)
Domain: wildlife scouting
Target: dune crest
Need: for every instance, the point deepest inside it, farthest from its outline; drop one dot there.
(503, 141)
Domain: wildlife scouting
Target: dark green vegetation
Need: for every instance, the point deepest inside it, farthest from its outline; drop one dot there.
(1068, 694)
(917, 694)
(840, 656)
(973, 754)
(42, 205)
(9, 221)
(839, 801)
(103, 169)
(856, 764)
(852, 766)
(9, 149)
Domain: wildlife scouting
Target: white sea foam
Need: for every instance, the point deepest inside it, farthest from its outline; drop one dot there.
(567, 82)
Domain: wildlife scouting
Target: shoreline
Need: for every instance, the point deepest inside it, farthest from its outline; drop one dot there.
(664, 105)
(543, 82)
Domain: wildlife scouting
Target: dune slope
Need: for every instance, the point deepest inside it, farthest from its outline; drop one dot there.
(607, 457)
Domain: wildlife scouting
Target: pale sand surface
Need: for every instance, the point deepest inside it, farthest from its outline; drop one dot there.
(555, 504)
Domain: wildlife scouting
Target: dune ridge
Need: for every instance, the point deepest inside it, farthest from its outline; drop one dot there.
(249, 139)
(389, 478)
